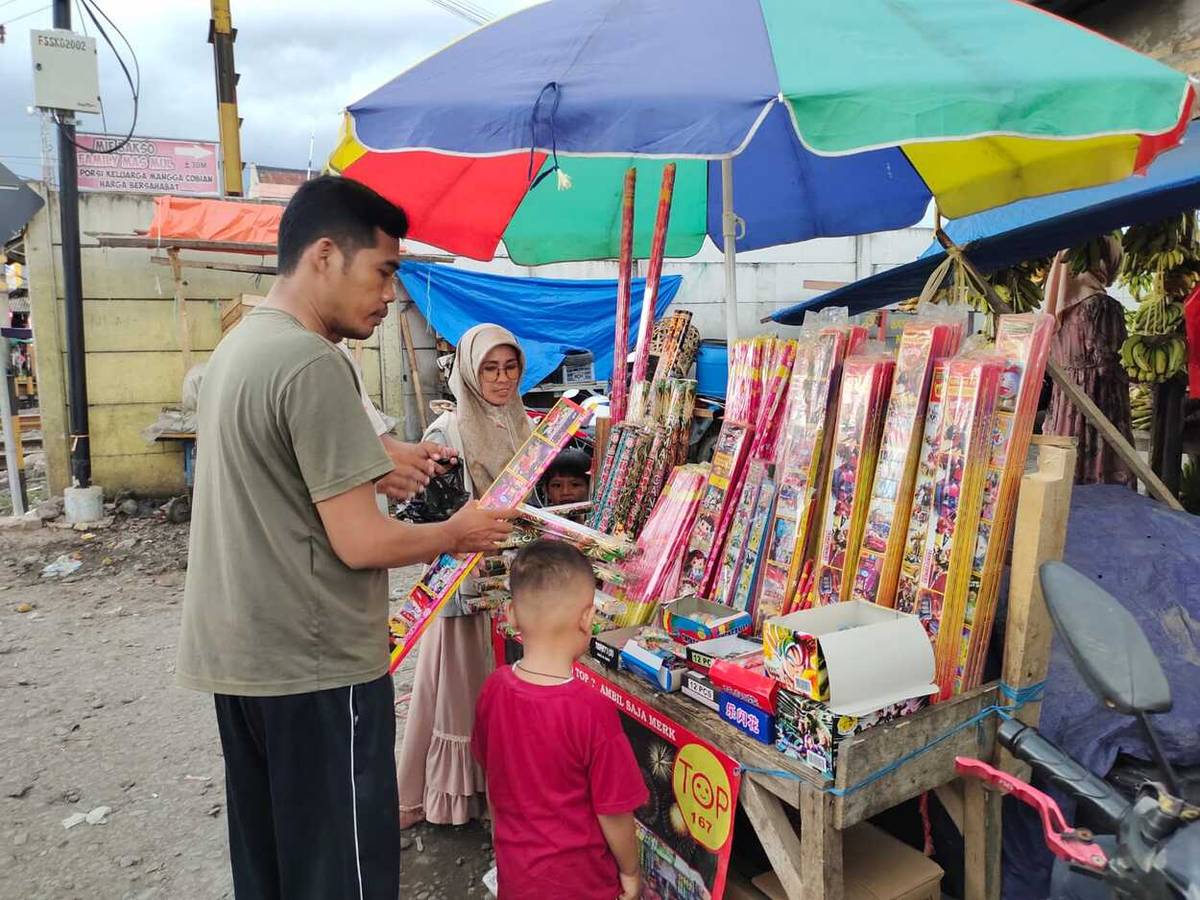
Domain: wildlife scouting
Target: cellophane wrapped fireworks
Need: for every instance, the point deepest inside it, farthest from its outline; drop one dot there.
(882, 546)
(866, 382)
(739, 529)
(963, 450)
(747, 580)
(803, 447)
(654, 571)
(1024, 343)
(593, 544)
(702, 558)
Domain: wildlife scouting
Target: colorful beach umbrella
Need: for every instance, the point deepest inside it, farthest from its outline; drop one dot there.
(831, 118)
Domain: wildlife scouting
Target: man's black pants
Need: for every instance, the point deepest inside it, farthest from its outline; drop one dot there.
(310, 781)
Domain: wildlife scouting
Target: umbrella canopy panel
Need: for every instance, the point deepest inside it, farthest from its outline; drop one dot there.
(842, 119)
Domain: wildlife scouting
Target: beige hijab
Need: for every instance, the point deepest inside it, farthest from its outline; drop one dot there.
(491, 435)
(1065, 289)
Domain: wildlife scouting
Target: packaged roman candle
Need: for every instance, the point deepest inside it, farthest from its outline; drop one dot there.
(747, 582)
(739, 529)
(921, 344)
(963, 450)
(866, 382)
(702, 556)
(1023, 341)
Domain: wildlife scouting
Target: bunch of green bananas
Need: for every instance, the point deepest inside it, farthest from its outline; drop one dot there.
(1153, 358)
(1087, 257)
(1151, 317)
(1141, 407)
(1153, 251)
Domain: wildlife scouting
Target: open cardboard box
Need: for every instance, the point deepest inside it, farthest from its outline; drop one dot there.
(690, 619)
(875, 866)
(857, 656)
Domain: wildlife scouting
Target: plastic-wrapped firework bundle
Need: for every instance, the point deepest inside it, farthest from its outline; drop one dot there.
(800, 459)
(633, 505)
(680, 407)
(602, 483)
(866, 382)
(592, 543)
(747, 580)
(921, 508)
(964, 441)
(627, 476)
(774, 403)
(882, 545)
(703, 550)
(739, 529)
(1024, 342)
(654, 572)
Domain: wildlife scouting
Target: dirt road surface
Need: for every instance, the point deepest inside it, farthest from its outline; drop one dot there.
(90, 718)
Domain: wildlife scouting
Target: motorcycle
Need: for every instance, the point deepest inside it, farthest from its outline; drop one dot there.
(1149, 849)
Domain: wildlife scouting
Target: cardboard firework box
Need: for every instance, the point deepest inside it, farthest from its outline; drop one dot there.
(739, 530)
(804, 448)
(729, 457)
(447, 573)
(964, 440)
(866, 381)
(921, 508)
(882, 546)
(1024, 342)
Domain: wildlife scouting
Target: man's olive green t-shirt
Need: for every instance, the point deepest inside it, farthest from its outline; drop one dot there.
(269, 608)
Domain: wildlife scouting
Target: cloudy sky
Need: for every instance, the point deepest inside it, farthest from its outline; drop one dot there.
(300, 61)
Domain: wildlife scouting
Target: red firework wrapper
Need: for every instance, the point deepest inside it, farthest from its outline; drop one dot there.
(866, 381)
(654, 572)
(811, 407)
(444, 577)
(882, 546)
(1024, 342)
(617, 402)
(963, 449)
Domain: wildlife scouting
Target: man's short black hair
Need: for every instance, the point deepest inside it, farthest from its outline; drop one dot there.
(546, 565)
(340, 209)
(572, 463)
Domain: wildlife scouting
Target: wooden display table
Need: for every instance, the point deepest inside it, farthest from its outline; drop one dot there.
(889, 764)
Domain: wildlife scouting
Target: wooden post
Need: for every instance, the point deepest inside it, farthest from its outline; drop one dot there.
(414, 368)
(185, 336)
(981, 841)
(1091, 412)
(809, 867)
(1039, 535)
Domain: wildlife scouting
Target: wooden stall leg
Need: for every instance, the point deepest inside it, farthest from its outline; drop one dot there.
(981, 841)
(181, 323)
(820, 847)
(808, 868)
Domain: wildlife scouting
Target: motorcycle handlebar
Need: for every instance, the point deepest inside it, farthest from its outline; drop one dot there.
(1025, 743)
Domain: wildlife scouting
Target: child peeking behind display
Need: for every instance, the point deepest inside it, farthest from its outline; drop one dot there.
(568, 478)
(561, 777)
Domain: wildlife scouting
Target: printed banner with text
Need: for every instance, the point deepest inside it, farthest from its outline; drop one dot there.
(686, 827)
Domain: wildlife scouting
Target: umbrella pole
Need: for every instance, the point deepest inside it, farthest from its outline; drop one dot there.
(729, 240)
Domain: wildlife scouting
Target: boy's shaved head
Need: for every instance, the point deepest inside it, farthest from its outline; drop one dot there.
(551, 582)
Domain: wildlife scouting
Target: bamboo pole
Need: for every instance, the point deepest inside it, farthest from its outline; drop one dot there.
(406, 340)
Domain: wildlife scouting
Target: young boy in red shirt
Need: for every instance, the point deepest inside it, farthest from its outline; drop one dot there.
(562, 779)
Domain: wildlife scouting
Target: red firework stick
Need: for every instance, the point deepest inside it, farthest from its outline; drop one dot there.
(641, 359)
(618, 400)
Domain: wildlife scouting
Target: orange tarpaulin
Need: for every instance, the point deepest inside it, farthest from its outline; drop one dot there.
(185, 218)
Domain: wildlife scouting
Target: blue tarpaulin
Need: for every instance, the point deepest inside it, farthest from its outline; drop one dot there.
(549, 316)
(1032, 228)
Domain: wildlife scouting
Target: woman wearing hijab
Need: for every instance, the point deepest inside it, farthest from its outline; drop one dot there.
(439, 780)
(1087, 340)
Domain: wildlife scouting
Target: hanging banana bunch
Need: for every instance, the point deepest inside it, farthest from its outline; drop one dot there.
(1160, 266)
(1141, 407)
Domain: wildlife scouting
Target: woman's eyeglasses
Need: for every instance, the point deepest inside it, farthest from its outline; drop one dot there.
(511, 372)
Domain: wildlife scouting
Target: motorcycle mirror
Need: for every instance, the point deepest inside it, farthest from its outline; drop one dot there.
(1107, 645)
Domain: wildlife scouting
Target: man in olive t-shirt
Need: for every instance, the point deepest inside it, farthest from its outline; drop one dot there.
(285, 607)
